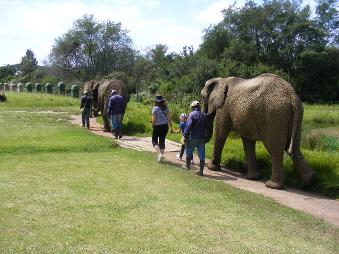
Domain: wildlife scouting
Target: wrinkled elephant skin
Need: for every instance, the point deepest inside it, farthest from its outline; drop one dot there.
(265, 108)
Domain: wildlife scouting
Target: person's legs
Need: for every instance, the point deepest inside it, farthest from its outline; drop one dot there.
(86, 113)
(201, 154)
(155, 137)
(116, 125)
(112, 125)
(191, 144)
(182, 150)
(120, 126)
(83, 118)
(162, 137)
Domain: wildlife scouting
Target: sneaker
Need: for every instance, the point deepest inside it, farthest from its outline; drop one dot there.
(178, 157)
(160, 157)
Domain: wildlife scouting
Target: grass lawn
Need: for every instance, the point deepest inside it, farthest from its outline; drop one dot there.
(65, 190)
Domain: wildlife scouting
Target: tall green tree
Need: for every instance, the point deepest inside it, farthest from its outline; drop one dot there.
(328, 20)
(28, 63)
(92, 49)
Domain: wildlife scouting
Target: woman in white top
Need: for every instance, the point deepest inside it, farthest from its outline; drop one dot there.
(161, 121)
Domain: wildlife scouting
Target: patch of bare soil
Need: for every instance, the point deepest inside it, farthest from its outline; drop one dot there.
(321, 207)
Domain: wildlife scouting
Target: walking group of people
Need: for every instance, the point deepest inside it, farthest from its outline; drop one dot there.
(115, 109)
(192, 129)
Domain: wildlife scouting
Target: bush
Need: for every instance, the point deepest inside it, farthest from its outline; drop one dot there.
(143, 97)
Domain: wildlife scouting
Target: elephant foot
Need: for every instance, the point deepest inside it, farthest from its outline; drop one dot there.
(213, 167)
(309, 179)
(274, 185)
(253, 175)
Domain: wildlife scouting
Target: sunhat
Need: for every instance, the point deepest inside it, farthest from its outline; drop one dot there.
(158, 98)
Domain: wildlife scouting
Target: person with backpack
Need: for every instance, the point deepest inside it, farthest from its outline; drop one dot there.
(85, 109)
(194, 136)
(161, 121)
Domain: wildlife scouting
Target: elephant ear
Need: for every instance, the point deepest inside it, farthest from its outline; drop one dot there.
(214, 93)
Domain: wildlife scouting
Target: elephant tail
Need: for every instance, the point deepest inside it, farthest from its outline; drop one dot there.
(297, 117)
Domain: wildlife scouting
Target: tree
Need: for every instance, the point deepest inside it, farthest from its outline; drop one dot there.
(277, 31)
(92, 49)
(215, 40)
(317, 75)
(28, 63)
(328, 20)
(6, 73)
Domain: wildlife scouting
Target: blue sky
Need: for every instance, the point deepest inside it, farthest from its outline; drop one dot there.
(35, 24)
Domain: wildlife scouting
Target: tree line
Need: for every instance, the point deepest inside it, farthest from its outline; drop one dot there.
(278, 36)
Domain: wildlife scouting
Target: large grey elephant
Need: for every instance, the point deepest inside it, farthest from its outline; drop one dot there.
(264, 108)
(100, 91)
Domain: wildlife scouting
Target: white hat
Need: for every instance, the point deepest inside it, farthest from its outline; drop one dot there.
(85, 92)
(183, 115)
(195, 104)
(113, 92)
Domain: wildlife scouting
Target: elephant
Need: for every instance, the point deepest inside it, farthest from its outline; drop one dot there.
(100, 91)
(265, 108)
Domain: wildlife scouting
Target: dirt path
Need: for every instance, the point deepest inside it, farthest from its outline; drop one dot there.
(321, 207)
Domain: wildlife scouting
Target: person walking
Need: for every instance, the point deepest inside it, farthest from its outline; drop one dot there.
(194, 136)
(182, 126)
(115, 111)
(161, 121)
(85, 109)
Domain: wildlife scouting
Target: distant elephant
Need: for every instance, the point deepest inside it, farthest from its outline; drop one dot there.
(100, 91)
(264, 108)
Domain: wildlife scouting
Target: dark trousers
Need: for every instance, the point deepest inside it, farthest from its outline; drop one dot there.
(182, 150)
(85, 117)
(159, 135)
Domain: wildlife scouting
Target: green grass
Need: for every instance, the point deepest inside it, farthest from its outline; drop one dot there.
(65, 190)
(37, 102)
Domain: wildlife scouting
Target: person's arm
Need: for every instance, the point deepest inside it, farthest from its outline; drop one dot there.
(188, 128)
(109, 105)
(154, 119)
(81, 103)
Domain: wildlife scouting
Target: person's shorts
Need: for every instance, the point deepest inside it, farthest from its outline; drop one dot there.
(196, 143)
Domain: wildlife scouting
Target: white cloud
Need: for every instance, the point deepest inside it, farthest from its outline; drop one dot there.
(36, 24)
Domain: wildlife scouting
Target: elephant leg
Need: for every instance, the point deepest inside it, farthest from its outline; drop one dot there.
(105, 120)
(221, 132)
(249, 147)
(106, 124)
(277, 177)
(307, 174)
